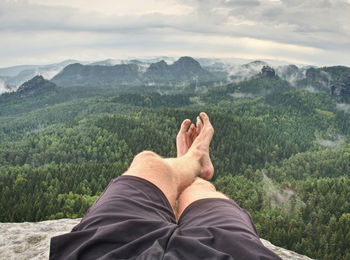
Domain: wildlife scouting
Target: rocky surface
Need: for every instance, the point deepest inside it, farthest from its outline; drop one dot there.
(268, 71)
(30, 240)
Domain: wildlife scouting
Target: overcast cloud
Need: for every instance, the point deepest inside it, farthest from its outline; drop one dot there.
(298, 31)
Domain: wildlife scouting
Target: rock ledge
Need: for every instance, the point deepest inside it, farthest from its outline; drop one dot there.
(31, 240)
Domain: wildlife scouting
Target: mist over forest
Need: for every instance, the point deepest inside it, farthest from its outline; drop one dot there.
(281, 147)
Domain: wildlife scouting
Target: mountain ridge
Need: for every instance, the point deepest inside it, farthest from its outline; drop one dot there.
(184, 70)
(187, 73)
(220, 71)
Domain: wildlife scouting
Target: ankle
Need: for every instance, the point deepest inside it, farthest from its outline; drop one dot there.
(194, 154)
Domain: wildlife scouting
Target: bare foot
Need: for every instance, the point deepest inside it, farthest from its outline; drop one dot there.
(200, 146)
(184, 138)
(199, 125)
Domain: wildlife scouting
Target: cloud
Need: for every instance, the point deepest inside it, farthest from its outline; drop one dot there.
(343, 107)
(121, 7)
(335, 142)
(285, 198)
(314, 32)
(3, 88)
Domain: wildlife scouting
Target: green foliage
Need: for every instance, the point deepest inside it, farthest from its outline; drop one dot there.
(153, 100)
(33, 194)
(262, 85)
(59, 149)
(318, 228)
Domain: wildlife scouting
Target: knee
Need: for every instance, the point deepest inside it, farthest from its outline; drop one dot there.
(202, 184)
(202, 189)
(146, 155)
(146, 158)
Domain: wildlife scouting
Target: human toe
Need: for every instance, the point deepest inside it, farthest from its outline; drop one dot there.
(184, 126)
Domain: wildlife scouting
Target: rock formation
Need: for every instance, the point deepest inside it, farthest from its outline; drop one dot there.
(29, 240)
(268, 71)
(341, 91)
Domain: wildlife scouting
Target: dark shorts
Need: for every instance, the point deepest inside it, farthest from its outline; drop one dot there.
(132, 219)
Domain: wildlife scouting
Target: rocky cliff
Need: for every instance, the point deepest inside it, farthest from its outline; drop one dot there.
(32, 240)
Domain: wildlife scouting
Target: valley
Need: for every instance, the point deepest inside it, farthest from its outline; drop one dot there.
(281, 147)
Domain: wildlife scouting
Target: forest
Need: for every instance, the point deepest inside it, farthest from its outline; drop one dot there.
(281, 152)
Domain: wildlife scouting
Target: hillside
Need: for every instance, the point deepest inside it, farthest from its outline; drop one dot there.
(35, 87)
(95, 75)
(33, 93)
(280, 150)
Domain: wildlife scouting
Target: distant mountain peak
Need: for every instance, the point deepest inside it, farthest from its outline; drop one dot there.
(36, 85)
(186, 60)
(36, 81)
(161, 62)
(185, 70)
(268, 71)
(71, 68)
(98, 75)
(158, 65)
(74, 65)
(187, 65)
(258, 62)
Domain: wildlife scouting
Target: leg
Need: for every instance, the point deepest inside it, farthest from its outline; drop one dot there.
(173, 175)
(185, 139)
(199, 189)
(210, 222)
(211, 226)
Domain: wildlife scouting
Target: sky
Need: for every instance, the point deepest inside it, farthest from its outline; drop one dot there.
(314, 32)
